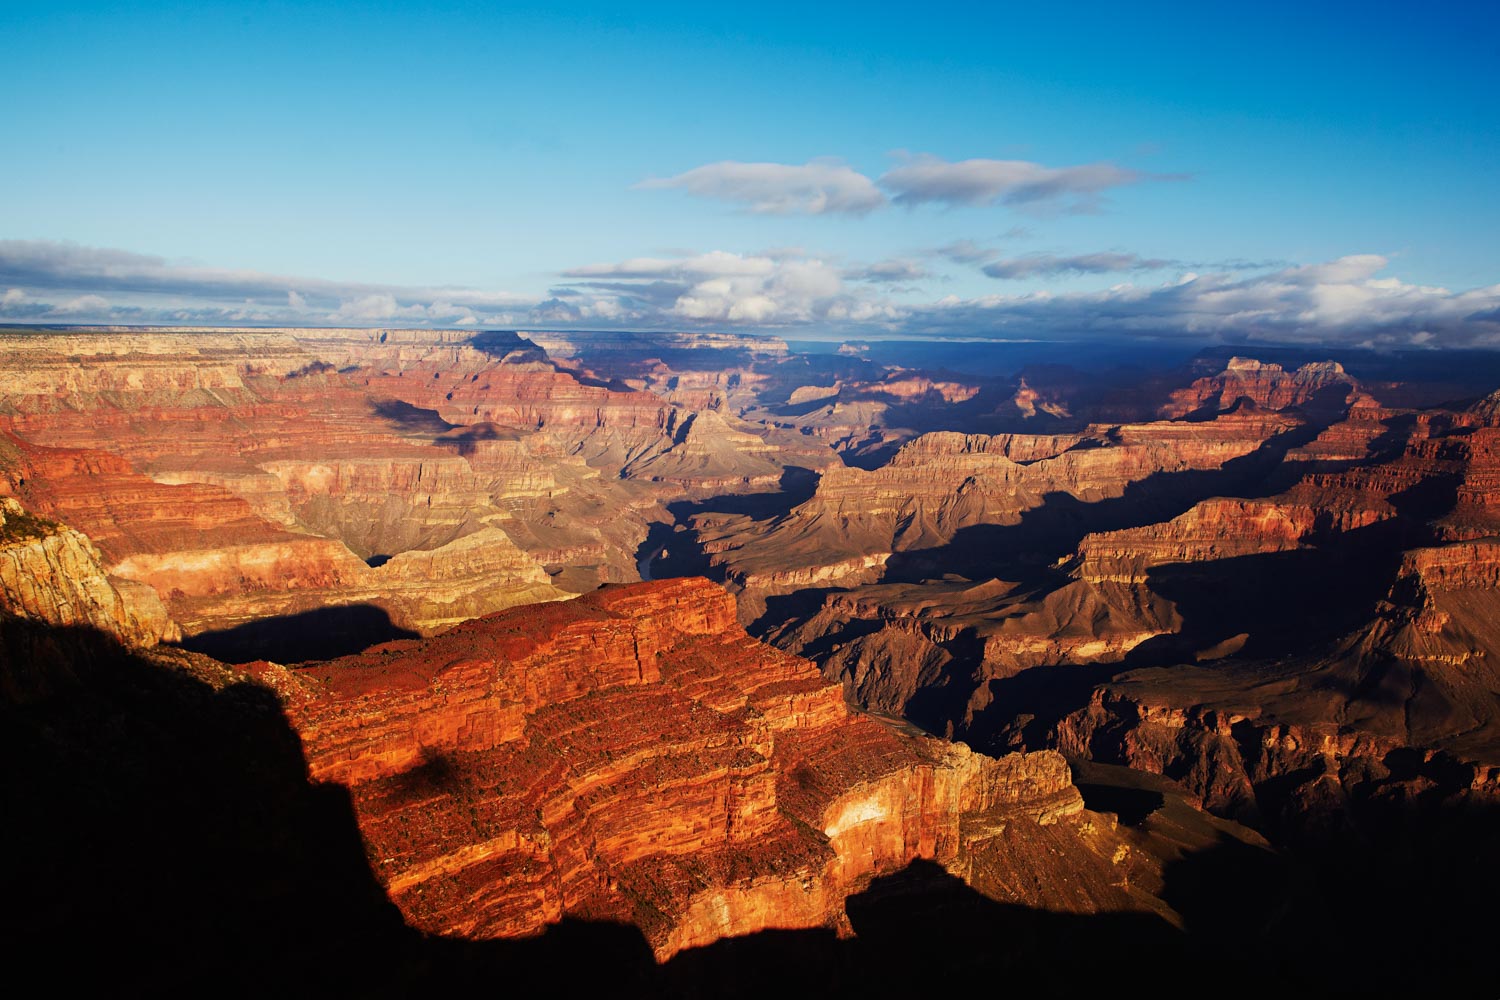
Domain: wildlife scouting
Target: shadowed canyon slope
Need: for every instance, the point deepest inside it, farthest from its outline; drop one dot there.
(629, 759)
(1274, 608)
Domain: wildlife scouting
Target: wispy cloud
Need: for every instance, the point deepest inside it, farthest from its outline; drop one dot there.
(892, 271)
(1021, 184)
(829, 186)
(965, 252)
(818, 187)
(1048, 265)
(714, 263)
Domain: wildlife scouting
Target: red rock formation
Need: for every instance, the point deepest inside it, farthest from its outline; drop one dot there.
(928, 651)
(246, 475)
(1300, 737)
(1323, 385)
(860, 418)
(216, 564)
(633, 755)
(933, 650)
(1221, 528)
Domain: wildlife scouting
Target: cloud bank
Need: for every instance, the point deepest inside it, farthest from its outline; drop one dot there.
(143, 288)
(1348, 300)
(1336, 302)
(725, 288)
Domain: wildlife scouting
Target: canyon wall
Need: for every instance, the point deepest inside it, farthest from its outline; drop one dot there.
(53, 574)
(434, 475)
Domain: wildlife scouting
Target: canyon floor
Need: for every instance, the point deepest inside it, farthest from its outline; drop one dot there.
(381, 661)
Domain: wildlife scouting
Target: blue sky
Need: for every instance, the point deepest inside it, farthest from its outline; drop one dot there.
(1151, 170)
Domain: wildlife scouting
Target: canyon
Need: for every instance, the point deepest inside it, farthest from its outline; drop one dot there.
(718, 651)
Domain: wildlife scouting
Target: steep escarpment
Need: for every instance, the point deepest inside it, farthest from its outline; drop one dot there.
(432, 475)
(632, 755)
(943, 483)
(1398, 710)
(53, 574)
(1279, 605)
(205, 554)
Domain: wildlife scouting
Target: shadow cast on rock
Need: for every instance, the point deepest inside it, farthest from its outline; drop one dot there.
(164, 838)
(669, 549)
(1286, 602)
(1053, 529)
(920, 927)
(319, 634)
(171, 837)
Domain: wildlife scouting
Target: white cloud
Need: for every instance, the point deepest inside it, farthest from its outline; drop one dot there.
(718, 287)
(1343, 300)
(716, 262)
(1348, 300)
(829, 186)
(367, 307)
(818, 187)
(965, 252)
(448, 312)
(83, 305)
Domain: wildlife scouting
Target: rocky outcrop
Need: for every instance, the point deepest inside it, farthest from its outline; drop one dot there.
(1319, 386)
(211, 588)
(1230, 579)
(632, 755)
(51, 573)
(1221, 528)
(710, 453)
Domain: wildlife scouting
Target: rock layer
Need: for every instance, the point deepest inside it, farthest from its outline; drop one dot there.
(434, 475)
(942, 483)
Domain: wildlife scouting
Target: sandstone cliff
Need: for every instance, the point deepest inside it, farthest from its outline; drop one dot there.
(632, 755)
(51, 573)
